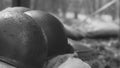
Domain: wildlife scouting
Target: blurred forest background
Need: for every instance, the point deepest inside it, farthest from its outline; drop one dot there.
(75, 7)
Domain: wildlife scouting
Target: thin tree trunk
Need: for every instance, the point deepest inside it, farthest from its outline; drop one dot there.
(97, 5)
(23, 3)
(35, 4)
(32, 4)
(117, 8)
(1, 5)
(76, 15)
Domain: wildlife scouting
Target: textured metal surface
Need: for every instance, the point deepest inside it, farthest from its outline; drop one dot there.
(57, 41)
(21, 40)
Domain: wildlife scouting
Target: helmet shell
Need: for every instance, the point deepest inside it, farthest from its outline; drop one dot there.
(22, 42)
(54, 30)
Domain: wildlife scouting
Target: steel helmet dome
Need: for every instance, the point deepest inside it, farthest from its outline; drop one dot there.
(22, 42)
(54, 30)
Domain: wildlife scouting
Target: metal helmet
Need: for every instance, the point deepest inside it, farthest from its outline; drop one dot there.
(22, 43)
(54, 30)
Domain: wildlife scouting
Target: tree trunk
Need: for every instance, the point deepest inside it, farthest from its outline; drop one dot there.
(1, 5)
(76, 15)
(118, 9)
(23, 3)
